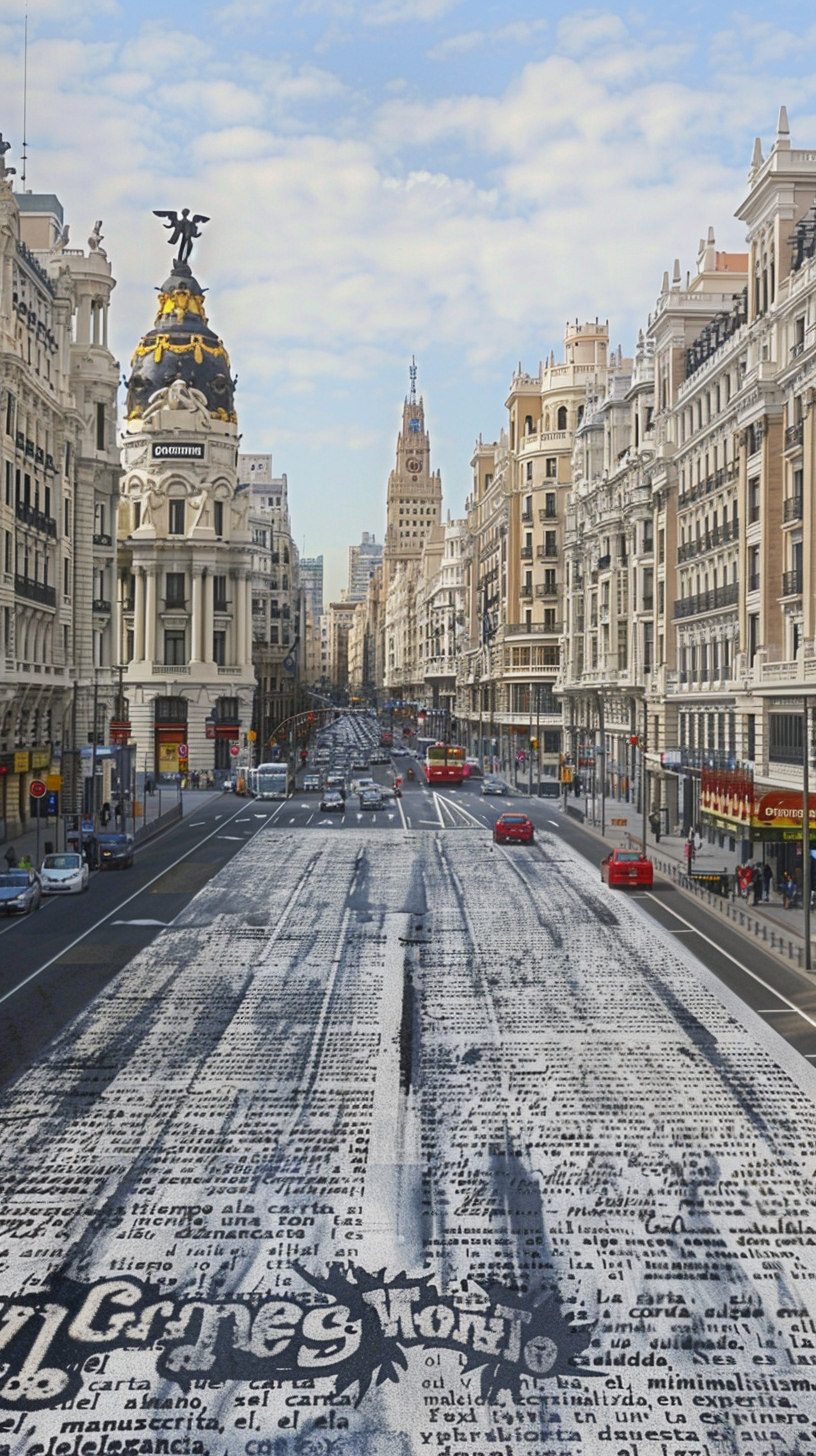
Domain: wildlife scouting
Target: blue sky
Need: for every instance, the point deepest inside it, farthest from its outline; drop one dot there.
(394, 177)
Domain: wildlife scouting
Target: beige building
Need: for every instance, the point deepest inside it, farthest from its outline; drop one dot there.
(185, 545)
(279, 624)
(59, 470)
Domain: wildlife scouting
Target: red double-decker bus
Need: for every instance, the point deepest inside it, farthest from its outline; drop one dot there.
(444, 763)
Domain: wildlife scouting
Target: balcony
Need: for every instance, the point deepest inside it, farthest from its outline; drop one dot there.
(792, 582)
(35, 591)
(220, 604)
(101, 607)
(794, 435)
(753, 582)
(526, 553)
(547, 515)
(170, 669)
(604, 562)
(546, 553)
(526, 591)
(38, 519)
(793, 508)
(527, 517)
(710, 601)
(535, 629)
(175, 604)
(708, 541)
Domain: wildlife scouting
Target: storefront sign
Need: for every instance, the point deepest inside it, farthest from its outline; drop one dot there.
(783, 810)
(22, 762)
(41, 758)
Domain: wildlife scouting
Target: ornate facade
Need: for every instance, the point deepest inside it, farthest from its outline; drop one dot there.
(184, 542)
(59, 474)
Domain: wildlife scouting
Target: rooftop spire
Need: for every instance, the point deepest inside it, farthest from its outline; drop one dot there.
(412, 374)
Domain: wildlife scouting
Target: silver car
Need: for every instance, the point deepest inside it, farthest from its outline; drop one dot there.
(19, 892)
(493, 785)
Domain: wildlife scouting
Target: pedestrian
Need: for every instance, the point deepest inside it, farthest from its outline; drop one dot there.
(787, 891)
(24, 863)
(11, 857)
(756, 883)
(149, 786)
(767, 879)
(743, 873)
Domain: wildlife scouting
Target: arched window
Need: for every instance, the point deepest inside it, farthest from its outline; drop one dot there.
(562, 417)
(528, 424)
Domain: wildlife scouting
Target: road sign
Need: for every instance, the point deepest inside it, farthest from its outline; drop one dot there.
(252, 735)
(182, 750)
(37, 789)
(234, 750)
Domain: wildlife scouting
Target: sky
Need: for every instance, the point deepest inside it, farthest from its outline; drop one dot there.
(450, 179)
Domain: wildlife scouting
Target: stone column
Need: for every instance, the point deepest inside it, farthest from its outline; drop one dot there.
(207, 645)
(196, 618)
(150, 615)
(139, 615)
(239, 622)
(246, 645)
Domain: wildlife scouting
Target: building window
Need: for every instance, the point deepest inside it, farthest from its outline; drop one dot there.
(220, 602)
(226, 710)
(218, 517)
(785, 737)
(549, 504)
(174, 589)
(9, 414)
(753, 499)
(174, 649)
(551, 467)
(177, 518)
(561, 423)
(170, 710)
(220, 649)
(100, 425)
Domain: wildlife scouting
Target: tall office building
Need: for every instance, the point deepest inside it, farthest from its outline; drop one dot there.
(363, 560)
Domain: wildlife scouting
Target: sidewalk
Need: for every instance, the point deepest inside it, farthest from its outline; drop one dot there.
(155, 805)
(624, 827)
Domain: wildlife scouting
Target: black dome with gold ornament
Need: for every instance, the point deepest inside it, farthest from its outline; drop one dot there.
(181, 345)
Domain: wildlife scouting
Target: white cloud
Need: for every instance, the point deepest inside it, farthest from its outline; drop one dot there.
(518, 33)
(349, 231)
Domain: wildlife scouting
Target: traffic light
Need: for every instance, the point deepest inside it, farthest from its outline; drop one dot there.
(634, 740)
(311, 717)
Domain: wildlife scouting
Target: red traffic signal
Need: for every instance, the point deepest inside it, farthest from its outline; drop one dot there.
(311, 717)
(634, 740)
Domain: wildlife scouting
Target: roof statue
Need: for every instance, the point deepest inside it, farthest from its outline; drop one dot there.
(182, 229)
(5, 147)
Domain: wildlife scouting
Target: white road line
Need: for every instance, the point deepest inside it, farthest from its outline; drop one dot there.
(466, 814)
(402, 814)
(105, 918)
(558, 826)
(754, 977)
(140, 922)
(235, 838)
(438, 809)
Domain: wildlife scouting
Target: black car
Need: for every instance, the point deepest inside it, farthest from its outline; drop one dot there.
(115, 851)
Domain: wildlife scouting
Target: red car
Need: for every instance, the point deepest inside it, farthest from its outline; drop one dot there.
(513, 826)
(627, 867)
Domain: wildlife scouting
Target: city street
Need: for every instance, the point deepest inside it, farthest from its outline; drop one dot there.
(395, 1139)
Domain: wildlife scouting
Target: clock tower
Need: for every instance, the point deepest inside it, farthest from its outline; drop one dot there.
(414, 501)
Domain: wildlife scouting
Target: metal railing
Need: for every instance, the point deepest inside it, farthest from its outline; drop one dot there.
(793, 508)
(35, 591)
(709, 601)
(794, 435)
(792, 582)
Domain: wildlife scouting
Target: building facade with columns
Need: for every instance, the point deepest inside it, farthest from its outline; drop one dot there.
(185, 565)
(58, 496)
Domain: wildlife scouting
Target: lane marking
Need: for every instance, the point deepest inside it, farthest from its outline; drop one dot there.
(105, 918)
(438, 808)
(754, 977)
(558, 826)
(140, 922)
(235, 838)
(401, 813)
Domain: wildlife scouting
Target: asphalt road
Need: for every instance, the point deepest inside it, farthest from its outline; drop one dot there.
(53, 963)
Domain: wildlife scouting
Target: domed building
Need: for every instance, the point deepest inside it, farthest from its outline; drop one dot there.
(184, 543)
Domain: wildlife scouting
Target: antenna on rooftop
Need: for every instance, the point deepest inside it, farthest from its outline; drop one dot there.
(413, 375)
(25, 98)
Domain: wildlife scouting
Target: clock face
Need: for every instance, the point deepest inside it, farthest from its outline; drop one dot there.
(414, 466)
(413, 424)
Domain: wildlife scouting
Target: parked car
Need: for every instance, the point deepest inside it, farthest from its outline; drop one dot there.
(20, 892)
(513, 827)
(64, 874)
(493, 785)
(627, 867)
(115, 851)
(332, 802)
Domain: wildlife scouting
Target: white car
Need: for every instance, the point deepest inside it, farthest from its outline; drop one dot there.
(64, 874)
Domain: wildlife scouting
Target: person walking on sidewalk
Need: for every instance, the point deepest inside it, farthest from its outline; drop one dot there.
(743, 880)
(767, 880)
(11, 857)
